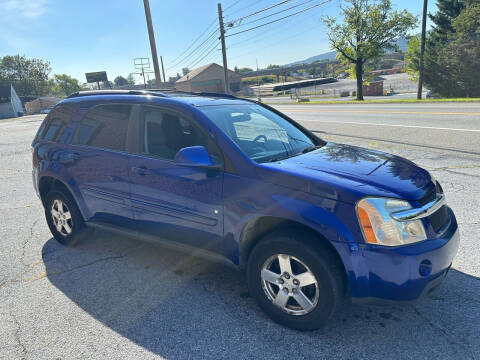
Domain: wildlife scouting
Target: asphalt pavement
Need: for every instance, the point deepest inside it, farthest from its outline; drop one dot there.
(118, 298)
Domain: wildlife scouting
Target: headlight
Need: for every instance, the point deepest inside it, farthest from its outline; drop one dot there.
(381, 229)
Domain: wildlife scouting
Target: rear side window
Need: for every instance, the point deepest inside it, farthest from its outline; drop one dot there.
(56, 122)
(105, 126)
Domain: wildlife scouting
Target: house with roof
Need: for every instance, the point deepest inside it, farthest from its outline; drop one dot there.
(10, 103)
(208, 78)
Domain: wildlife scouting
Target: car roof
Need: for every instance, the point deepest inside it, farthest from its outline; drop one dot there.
(159, 96)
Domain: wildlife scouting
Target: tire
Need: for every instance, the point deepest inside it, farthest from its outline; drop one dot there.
(73, 228)
(308, 256)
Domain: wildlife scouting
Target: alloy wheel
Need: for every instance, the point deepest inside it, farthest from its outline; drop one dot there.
(62, 218)
(289, 284)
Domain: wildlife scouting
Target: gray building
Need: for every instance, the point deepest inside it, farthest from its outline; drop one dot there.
(10, 103)
(208, 78)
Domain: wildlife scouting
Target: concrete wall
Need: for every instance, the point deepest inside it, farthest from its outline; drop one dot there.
(6, 110)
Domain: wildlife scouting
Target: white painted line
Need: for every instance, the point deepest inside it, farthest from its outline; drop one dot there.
(391, 125)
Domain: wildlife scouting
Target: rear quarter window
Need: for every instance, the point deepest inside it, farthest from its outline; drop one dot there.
(55, 122)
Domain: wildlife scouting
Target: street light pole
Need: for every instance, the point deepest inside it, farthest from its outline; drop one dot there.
(153, 47)
(422, 50)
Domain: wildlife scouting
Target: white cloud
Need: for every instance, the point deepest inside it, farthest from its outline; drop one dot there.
(28, 9)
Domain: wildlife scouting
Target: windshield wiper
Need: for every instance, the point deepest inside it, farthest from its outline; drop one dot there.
(287, 156)
(309, 149)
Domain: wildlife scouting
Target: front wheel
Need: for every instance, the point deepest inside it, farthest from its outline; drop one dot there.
(297, 284)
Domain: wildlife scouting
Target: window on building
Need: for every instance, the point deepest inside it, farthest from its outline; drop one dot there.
(104, 126)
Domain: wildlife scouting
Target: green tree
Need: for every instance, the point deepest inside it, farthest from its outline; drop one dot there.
(369, 28)
(467, 23)
(131, 79)
(452, 60)
(28, 76)
(273, 66)
(120, 81)
(65, 85)
(412, 57)
(447, 11)
(244, 70)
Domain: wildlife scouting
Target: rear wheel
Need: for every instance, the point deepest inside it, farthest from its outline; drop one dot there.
(64, 218)
(297, 284)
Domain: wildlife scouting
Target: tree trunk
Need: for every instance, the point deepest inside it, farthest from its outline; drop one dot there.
(359, 75)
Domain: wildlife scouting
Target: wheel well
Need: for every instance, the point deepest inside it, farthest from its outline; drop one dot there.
(256, 229)
(48, 184)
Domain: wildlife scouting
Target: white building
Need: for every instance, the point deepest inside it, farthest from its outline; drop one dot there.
(10, 103)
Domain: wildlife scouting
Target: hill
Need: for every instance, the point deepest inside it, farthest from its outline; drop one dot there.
(400, 42)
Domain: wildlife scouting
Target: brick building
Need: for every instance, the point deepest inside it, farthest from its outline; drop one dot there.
(208, 78)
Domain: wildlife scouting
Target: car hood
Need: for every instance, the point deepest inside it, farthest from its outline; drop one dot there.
(347, 173)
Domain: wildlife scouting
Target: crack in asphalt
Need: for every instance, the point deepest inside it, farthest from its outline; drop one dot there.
(16, 336)
(93, 262)
(25, 243)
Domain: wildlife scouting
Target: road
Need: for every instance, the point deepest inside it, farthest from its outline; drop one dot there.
(116, 298)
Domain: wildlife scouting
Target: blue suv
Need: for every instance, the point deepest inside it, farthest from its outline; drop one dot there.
(310, 222)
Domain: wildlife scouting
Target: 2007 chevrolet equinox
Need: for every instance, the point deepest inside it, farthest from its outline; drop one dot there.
(310, 222)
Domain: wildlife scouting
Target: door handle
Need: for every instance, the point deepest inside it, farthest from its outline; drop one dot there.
(74, 156)
(142, 170)
(69, 158)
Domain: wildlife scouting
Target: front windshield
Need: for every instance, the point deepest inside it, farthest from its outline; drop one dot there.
(260, 133)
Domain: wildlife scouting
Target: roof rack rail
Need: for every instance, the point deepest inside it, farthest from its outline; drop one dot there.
(116, 92)
(154, 92)
(211, 94)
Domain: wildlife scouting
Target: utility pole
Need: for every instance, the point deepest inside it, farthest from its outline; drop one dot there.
(422, 50)
(224, 50)
(153, 47)
(163, 70)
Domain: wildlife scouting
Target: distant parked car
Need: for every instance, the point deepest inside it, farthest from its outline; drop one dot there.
(310, 222)
(46, 110)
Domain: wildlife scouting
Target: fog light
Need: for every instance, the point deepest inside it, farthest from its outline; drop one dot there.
(425, 268)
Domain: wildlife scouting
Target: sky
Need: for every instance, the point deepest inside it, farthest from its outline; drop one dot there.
(79, 36)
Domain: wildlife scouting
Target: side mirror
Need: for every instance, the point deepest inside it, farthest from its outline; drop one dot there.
(195, 157)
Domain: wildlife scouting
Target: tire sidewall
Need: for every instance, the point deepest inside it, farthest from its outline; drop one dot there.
(314, 259)
(77, 220)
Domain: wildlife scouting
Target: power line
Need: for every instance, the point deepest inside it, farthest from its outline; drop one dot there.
(215, 41)
(245, 7)
(194, 50)
(266, 32)
(262, 10)
(195, 41)
(273, 14)
(232, 5)
(211, 50)
(279, 19)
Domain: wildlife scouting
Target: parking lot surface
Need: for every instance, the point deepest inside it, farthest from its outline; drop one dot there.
(118, 298)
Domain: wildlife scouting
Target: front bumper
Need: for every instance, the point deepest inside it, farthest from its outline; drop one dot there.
(406, 272)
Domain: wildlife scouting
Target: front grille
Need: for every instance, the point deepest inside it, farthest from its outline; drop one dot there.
(439, 218)
(429, 196)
